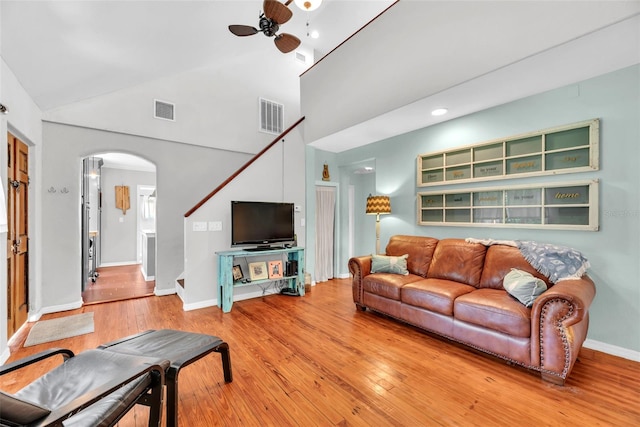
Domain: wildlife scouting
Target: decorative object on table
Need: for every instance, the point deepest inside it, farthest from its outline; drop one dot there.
(237, 273)
(378, 205)
(122, 198)
(258, 270)
(275, 269)
(325, 173)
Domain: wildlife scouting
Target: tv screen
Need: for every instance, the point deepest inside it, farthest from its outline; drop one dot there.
(261, 223)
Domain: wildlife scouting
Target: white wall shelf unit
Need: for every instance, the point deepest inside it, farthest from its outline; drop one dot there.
(564, 149)
(562, 206)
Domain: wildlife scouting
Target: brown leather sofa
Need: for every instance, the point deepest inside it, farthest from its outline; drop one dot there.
(454, 289)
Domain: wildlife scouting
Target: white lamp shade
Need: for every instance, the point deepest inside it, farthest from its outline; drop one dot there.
(308, 5)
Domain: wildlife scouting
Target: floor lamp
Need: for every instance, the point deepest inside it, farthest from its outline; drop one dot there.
(378, 205)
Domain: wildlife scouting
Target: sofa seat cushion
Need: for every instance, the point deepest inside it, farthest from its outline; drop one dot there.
(435, 295)
(387, 285)
(494, 309)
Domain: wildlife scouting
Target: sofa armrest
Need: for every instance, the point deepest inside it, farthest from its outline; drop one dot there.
(559, 323)
(359, 267)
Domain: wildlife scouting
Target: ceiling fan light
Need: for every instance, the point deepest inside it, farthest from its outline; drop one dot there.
(308, 5)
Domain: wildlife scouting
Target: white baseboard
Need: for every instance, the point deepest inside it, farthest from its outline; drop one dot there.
(214, 302)
(180, 292)
(344, 276)
(34, 316)
(117, 264)
(5, 356)
(257, 294)
(201, 304)
(613, 350)
(59, 308)
(163, 292)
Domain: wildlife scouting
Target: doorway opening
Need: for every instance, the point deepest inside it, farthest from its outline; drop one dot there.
(118, 227)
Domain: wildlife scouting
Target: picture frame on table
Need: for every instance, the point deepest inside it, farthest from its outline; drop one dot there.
(275, 269)
(258, 270)
(237, 273)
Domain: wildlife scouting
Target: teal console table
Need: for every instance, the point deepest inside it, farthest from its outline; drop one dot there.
(227, 259)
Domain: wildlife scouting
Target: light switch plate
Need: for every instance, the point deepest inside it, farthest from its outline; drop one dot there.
(215, 225)
(199, 226)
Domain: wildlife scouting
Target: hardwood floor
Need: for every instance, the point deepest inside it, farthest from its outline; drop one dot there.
(116, 284)
(317, 361)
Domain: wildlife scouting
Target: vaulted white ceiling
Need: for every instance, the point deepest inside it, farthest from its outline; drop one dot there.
(67, 51)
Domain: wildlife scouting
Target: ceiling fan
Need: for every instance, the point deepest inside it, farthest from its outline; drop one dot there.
(274, 14)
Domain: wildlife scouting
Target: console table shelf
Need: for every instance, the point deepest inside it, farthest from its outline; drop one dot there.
(227, 259)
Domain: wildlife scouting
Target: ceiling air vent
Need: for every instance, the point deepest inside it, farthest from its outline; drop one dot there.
(271, 117)
(164, 110)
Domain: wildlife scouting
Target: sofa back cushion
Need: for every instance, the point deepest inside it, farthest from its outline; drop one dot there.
(419, 248)
(499, 261)
(457, 260)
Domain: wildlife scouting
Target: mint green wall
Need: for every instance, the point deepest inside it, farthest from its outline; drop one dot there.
(614, 251)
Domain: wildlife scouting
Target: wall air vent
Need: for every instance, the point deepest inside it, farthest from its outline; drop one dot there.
(300, 57)
(271, 117)
(164, 110)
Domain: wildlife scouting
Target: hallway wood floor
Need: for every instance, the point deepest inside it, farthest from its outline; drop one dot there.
(116, 284)
(317, 361)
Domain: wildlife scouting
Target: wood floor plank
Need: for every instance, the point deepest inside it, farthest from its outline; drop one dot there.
(316, 360)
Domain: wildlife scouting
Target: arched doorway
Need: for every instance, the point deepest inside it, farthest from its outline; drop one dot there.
(118, 217)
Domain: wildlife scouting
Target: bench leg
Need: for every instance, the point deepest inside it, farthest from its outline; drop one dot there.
(172, 399)
(223, 349)
(154, 401)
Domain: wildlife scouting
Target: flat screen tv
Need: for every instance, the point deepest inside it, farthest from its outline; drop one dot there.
(261, 223)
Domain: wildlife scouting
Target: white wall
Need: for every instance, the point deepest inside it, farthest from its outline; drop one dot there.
(23, 120)
(277, 176)
(216, 106)
(184, 175)
(118, 234)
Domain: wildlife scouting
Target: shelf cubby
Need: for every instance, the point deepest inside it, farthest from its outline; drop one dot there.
(563, 149)
(565, 205)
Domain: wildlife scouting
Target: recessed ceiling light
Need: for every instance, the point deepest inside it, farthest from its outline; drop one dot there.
(439, 112)
(315, 34)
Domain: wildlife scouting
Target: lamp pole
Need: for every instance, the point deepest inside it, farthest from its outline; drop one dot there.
(377, 234)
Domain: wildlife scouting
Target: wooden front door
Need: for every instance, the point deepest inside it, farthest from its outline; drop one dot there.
(17, 235)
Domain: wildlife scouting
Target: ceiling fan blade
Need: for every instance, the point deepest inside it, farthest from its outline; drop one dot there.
(286, 42)
(242, 30)
(276, 11)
